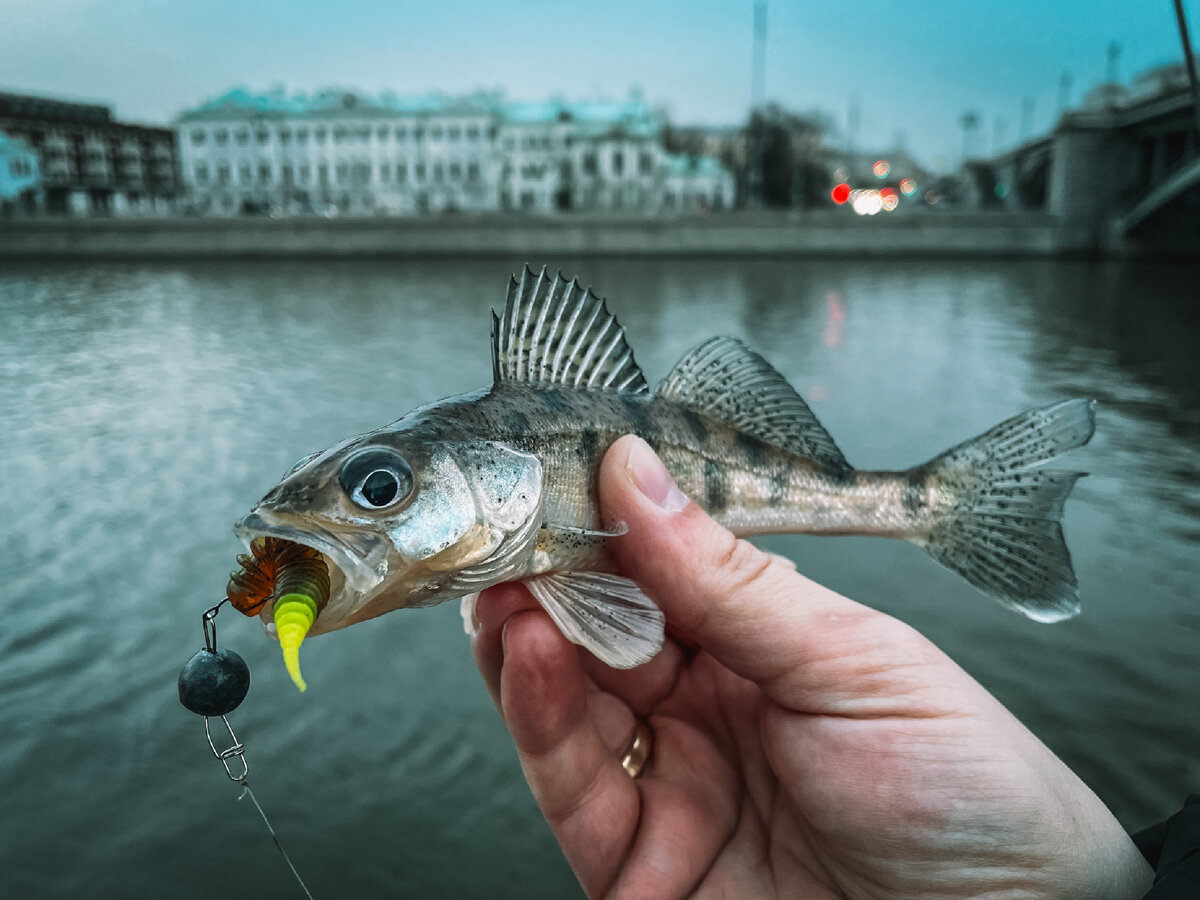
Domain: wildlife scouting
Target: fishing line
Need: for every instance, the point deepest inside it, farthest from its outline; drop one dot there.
(246, 792)
(212, 683)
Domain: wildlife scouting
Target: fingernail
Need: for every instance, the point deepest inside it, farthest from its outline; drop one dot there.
(653, 479)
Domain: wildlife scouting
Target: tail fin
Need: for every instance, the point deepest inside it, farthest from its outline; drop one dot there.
(1002, 532)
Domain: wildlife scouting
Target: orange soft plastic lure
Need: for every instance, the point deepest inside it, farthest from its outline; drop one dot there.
(269, 558)
(296, 577)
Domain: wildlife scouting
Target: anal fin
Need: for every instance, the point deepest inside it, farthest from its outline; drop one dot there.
(607, 614)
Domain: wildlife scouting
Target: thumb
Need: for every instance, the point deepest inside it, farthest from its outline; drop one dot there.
(748, 609)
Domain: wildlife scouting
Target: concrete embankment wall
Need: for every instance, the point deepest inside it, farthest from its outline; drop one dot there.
(757, 234)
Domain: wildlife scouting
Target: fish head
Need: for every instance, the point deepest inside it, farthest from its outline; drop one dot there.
(404, 522)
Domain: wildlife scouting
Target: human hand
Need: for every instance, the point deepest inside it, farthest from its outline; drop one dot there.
(804, 745)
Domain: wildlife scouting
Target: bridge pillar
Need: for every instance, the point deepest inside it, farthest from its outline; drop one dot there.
(1086, 183)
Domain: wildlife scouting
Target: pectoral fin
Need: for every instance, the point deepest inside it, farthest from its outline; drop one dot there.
(607, 614)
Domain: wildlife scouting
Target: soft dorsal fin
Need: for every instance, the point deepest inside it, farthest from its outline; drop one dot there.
(727, 381)
(557, 332)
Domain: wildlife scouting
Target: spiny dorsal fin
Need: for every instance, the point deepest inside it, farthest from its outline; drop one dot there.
(727, 381)
(557, 332)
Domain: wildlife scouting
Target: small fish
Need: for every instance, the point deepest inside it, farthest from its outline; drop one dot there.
(499, 484)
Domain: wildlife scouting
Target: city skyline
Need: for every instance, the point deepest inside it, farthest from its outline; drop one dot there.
(883, 74)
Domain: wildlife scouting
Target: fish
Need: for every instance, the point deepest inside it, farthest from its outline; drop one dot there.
(499, 484)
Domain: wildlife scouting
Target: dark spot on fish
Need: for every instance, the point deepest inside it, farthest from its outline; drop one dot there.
(912, 494)
(777, 486)
(640, 421)
(555, 401)
(696, 425)
(715, 496)
(752, 447)
(514, 421)
(589, 444)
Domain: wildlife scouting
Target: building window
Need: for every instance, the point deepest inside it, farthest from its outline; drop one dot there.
(241, 136)
(262, 135)
(244, 173)
(385, 172)
(437, 171)
(618, 162)
(510, 144)
(288, 174)
(301, 135)
(364, 134)
(323, 173)
(343, 171)
(419, 171)
(401, 171)
(453, 132)
(589, 162)
(197, 136)
(382, 133)
(435, 132)
(285, 135)
(264, 173)
(418, 133)
(339, 135)
(223, 173)
(645, 163)
(473, 171)
(455, 171)
(472, 132)
(319, 134)
(305, 173)
(221, 136)
(201, 173)
(401, 132)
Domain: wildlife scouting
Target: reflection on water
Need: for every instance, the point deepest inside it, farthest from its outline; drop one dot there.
(149, 406)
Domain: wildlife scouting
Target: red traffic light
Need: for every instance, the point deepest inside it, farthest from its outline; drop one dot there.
(840, 194)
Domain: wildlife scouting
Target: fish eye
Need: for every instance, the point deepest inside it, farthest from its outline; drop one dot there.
(376, 478)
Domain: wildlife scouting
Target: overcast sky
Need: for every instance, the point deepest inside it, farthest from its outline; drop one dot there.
(910, 68)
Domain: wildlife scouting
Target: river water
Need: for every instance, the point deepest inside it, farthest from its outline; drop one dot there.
(146, 407)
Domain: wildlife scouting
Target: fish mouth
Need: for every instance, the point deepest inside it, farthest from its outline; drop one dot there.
(357, 560)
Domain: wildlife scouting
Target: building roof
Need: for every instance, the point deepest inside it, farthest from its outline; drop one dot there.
(240, 103)
(632, 116)
(27, 106)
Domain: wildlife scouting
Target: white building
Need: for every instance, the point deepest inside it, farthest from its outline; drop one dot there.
(592, 155)
(338, 152)
(342, 152)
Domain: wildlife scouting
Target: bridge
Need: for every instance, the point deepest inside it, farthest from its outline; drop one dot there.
(1121, 173)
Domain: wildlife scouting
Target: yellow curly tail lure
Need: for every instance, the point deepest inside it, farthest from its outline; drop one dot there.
(296, 577)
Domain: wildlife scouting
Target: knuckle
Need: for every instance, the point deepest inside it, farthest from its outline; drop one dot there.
(741, 564)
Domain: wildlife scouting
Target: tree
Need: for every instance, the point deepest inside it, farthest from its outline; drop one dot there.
(786, 153)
